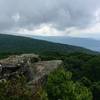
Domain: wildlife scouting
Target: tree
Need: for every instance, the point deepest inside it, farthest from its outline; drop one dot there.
(61, 87)
(92, 69)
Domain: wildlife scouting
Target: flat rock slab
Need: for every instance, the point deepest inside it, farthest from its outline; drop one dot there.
(30, 65)
(45, 67)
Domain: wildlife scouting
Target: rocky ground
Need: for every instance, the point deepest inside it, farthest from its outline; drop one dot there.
(29, 65)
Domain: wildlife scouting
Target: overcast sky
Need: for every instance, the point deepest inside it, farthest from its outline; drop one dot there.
(79, 18)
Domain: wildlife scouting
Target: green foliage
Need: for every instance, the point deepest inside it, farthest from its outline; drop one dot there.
(41, 94)
(15, 90)
(96, 91)
(7, 54)
(61, 87)
(92, 69)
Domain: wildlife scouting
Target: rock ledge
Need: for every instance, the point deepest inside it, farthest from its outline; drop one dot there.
(29, 65)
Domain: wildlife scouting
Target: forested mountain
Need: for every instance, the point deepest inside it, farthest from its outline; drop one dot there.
(10, 43)
(88, 43)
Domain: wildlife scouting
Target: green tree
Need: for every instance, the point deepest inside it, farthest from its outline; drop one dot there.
(15, 90)
(92, 69)
(61, 87)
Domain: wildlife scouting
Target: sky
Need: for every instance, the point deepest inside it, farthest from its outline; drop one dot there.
(77, 18)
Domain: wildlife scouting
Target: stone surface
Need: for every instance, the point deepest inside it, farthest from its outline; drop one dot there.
(15, 59)
(29, 65)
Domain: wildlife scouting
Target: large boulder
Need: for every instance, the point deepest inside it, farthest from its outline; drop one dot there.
(15, 65)
(29, 65)
(16, 59)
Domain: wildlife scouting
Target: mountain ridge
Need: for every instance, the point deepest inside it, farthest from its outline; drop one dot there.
(11, 43)
(88, 43)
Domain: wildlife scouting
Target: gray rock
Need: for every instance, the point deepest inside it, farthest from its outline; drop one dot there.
(15, 63)
(42, 69)
(29, 65)
(16, 60)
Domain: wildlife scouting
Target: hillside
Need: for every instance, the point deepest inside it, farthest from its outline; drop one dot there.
(10, 43)
(88, 43)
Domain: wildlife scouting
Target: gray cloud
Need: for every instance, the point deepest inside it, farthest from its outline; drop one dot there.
(60, 13)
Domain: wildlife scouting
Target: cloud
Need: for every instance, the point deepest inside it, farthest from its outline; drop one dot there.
(61, 14)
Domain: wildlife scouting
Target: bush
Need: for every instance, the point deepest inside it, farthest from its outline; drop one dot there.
(61, 87)
(15, 90)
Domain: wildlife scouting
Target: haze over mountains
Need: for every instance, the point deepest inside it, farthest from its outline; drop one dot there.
(83, 42)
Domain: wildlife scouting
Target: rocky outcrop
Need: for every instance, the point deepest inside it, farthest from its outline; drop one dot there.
(29, 65)
(16, 65)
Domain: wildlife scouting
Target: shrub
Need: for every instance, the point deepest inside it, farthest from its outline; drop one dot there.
(15, 90)
(61, 87)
